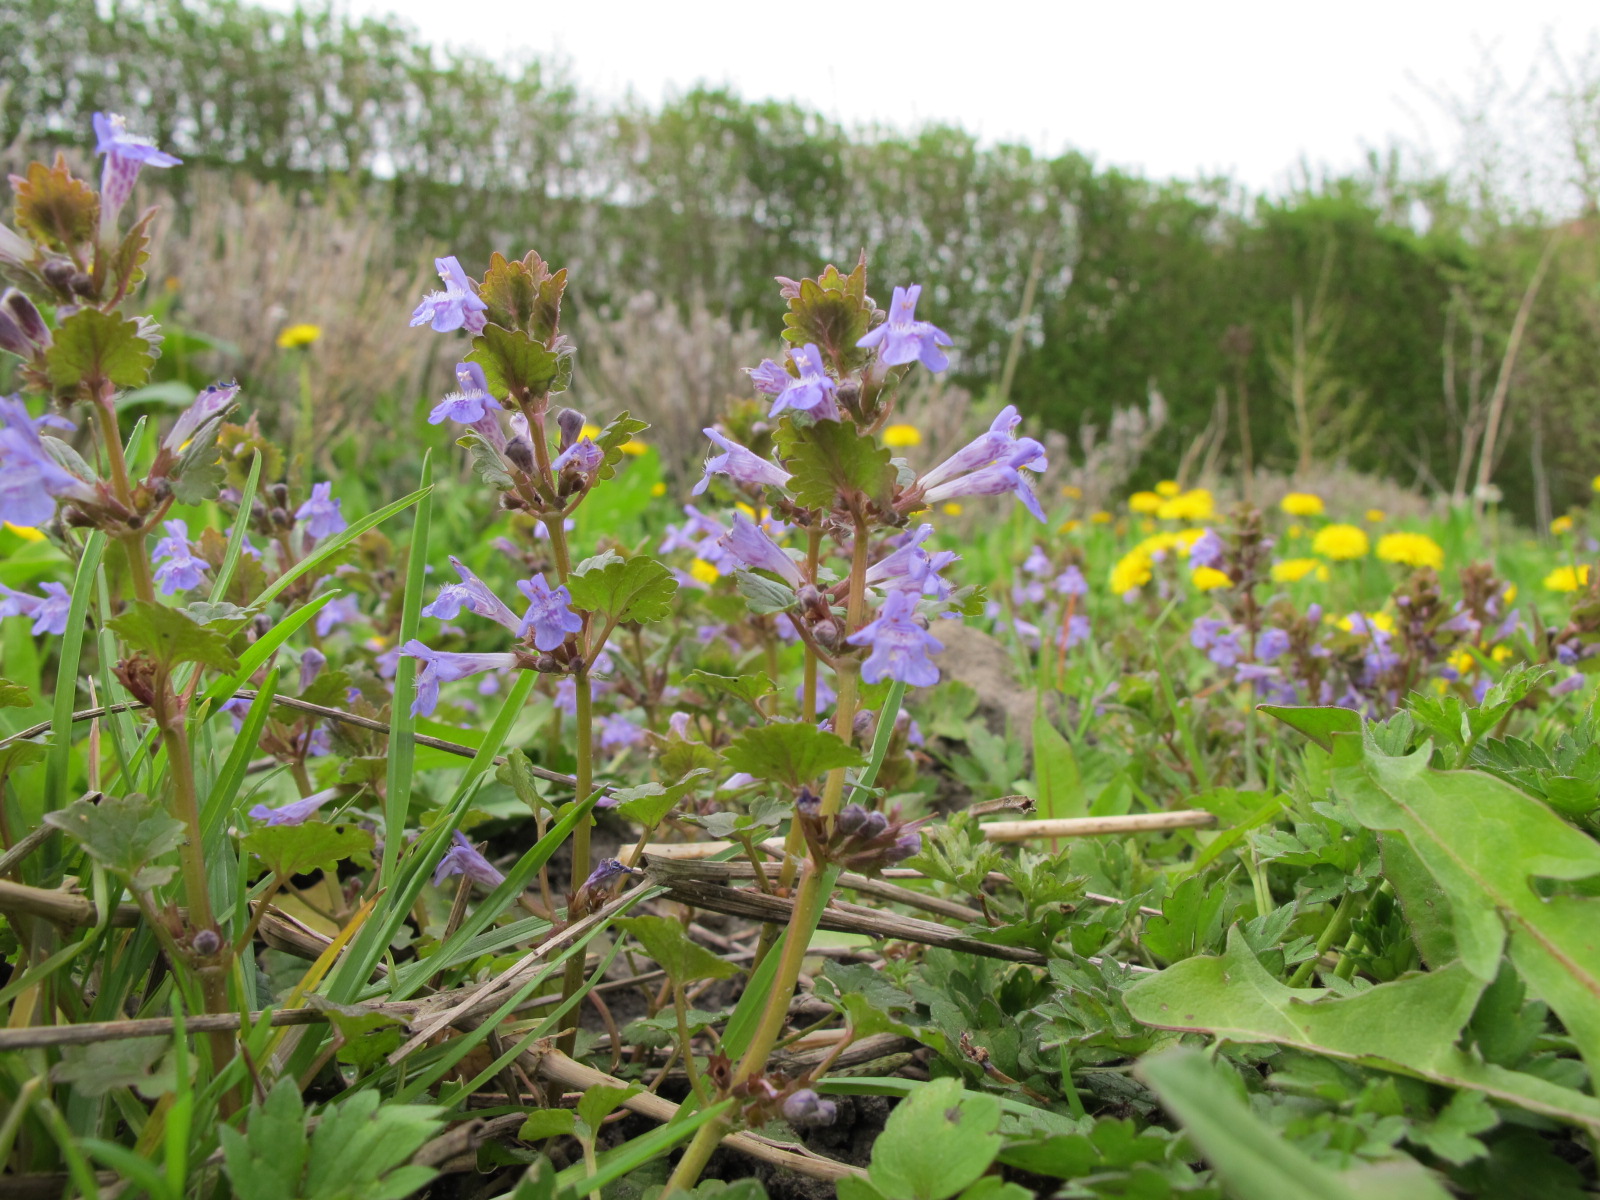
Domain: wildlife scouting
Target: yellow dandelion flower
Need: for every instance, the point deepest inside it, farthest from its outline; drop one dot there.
(658, 489)
(1596, 483)
(1561, 525)
(377, 642)
(635, 448)
(297, 337)
(1071, 492)
(1411, 550)
(1500, 653)
(1380, 621)
(1510, 594)
(589, 431)
(897, 436)
(741, 506)
(1462, 661)
(703, 571)
(1567, 579)
(1208, 579)
(1295, 531)
(1100, 517)
(1302, 504)
(1376, 516)
(1144, 502)
(1194, 505)
(1070, 527)
(1167, 489)
(1131, 573)
(950, 508)
(1293, 570)
(26, 532)
(1341, 542)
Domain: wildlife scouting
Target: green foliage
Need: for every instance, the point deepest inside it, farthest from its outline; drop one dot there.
(751, 689)
(649, 803)
(632, 589)
(143, 1064)
(123, 834)
(935, 1145)
(619, 431)
(834, 312)
(664, 940)
(358, 1149)
(93, 348)
(171, 637)
(791, 753)
(517, 367)
(54, 207)
(287, 850)
(833, 464)
(14, 695)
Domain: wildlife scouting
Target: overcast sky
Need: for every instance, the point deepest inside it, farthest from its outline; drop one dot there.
(1169, 88)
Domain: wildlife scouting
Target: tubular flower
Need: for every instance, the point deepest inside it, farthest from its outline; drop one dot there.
(749, 543)
(296, 813)
(1411, 550)
(903, 338)
(739, 464)
(321, 513)
(178, 570)
(463, 859)
(899, 645)
(811, 391)
(213, 401)
(1341, 543)
(549, 615)
(126, 154)
(475, 596)
(30, 477)
(457, 307)
(989, 465)
(471, 404)
(1302, 504)
(49, 612)
(439, 666)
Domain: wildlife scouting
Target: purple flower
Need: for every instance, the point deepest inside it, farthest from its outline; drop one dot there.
(748, 543)
(1220, 643)
(740, 465)
(49, 612)
(1273, 643)
(341, 610)
(805, 1108)
(1071, 583)
(607, 874)
(812, 392)
(899, 645)
(457, 307)
(295, 813)
(471, 403)
(566, 697)
(994, 480)
(463, 859)
(1570, 684)
(237, 709)
(321, 512)
(30, 478)
(312, 661)
(213, 401)
(440, 666)
(178, 570)
(475, 596)
(583, 456)
(903, 338)
(1037, 562)
(1207, 551)
(549, 614)
(769, 377)
(125, 154)
(825, 697)
(616, 732)
(1076, 630)
(999, 443)
(14, 248)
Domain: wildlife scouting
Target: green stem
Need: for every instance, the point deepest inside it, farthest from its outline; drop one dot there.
(1337, 924)
(573, 980)
(680, 1004)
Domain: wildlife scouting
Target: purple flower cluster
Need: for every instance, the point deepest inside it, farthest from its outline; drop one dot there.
(457, 307)
(30, 478)
(321, 513)
(903, 339)
(178, 569)
(990, 465)
(898, 643)
(48, 612)
(741, 465)
(126, 153)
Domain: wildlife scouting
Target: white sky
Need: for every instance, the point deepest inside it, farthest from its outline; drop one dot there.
(1168, 88)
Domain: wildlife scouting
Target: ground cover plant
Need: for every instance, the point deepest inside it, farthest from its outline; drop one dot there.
(863, 820)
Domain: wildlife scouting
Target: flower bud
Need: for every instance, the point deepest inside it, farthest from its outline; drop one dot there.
(827, 634)
(279, 517)
(570, 423)
(21, 310)
(805, 1107)
(810, 598)
(58, 273)
(850, 819)
(872, 825)
(12, 339)
(519, 452)
(280, 494)
(863, 723)
(808, 803)
(81, 283)
(206, 943)
(905, 846)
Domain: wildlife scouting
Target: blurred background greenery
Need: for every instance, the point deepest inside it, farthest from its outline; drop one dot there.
(1353, 327)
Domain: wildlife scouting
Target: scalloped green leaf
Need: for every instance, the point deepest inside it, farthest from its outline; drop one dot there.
(171, 637)
(790, 752)
(92, 347)
(631, 589)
